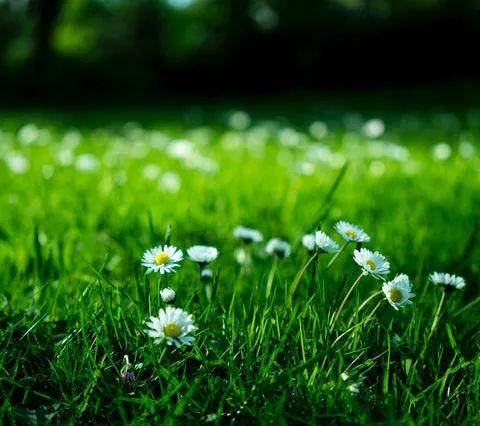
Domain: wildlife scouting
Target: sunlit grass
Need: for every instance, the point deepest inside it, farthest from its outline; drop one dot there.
(81, 202)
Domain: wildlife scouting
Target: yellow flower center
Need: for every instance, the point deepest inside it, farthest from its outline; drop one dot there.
(395, 295)
(172, 330)
(351, 233)
(162, 258)
(372, 264)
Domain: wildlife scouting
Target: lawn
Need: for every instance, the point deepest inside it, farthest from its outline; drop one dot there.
(86, 193)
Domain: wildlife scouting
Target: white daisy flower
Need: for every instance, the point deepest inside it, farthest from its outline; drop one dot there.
(162, 259)
(206, 274)
(173, 325)
(351, 232)
(279, 248)
(324, 243)
(168, 295)
(398, 291)
(247, 235)
(242, 256)
(447, 280)
(354, 388)
(17, 163)
(308, 241)
(202, 254)
(372, 263)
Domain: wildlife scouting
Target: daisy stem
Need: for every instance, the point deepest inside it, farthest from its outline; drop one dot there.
(364, 304)
(430, 334)
(271, 275)
(351, 328)
(375, 309)
(435, 320)
(345, 300)
(334, 258)
(298, 277)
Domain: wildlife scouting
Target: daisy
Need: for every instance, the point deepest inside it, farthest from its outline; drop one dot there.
(162, 259)
(308, 241)
(354, 388)
(168, 295)
(202, 254)
(279, 248)
(351, 232)
(173, 325)
(206, 274)
(247, 235)
(398, 291)
(125, 372)
(242, 256)
(324, 243)
(372, 263)
(447, 280)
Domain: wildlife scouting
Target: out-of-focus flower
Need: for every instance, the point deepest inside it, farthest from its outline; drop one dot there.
(279, 248)
(446, 280)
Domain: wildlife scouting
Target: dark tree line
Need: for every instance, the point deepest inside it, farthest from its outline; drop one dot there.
(124, 48)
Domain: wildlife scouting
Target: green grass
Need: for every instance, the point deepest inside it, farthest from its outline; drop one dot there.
(74, 297)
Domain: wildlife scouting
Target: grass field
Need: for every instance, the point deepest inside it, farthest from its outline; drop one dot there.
(85, 194)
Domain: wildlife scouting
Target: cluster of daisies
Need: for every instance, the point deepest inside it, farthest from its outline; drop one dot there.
(175, 326)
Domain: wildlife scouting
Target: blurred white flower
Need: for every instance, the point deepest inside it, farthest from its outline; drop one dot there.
(72, 139)
(239, 120)
(247, 235)
(206, 274)
(264, 15)
(170, 182)
(241, 256)
(202, 254)
(138, 150)
(28, 134)
(289, 137)
(151, 172)
(442, 151)
(308, 241)
(65, 157)
(173, 325)
(47, 171)
(180, 149)
(279, 248)
(201, 163)
(304, 168)
(354, 388)
(466, 150)
(318, 129)
(17, 162)
(373, 128)
(447, 280)
(87, 163)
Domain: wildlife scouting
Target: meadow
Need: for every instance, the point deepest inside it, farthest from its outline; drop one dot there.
(86, 193)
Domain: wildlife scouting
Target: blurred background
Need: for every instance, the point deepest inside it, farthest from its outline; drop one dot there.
(83, 50)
